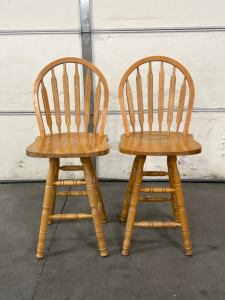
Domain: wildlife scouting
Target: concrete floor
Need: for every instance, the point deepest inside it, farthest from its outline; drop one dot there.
(72, 268)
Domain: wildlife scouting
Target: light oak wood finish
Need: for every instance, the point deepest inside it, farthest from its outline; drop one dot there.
(90, 180)
(133, 205)
(71, 168)
(171, 99)
(180, 206)
(161, 96)
(69, 182)
(64, 61)
(150, 97)
(126, 203)
(157, 190)
(140, 99)
(66, 98)
(157, 224)
(101, 207)
(130, 105)
(153, 199)
(163, 60)
(46, 106)
(181, 104)
(70, 216)
(48, 197)
(87, 100)
(155, 173)
(56, 175)
(70, 144)
(56, 100)
(97, 105)
(77, 98)
(173, 195)
(72, 193)
(157, 143)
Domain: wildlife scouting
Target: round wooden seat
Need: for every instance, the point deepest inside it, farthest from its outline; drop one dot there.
(69, 145)
(159, 144)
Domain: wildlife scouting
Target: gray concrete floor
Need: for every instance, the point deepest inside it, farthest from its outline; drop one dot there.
(72, 268)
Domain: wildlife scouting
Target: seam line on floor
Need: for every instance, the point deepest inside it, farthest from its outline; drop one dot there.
(45, 261)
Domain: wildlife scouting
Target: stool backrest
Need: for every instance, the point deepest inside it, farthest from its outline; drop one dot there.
(39, 83)
(187, 78)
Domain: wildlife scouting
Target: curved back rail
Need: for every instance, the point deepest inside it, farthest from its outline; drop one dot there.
(101, 81)
(187, 77)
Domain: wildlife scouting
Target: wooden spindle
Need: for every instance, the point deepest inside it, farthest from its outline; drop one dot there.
(56, 100)
(97, 105)
(140, 99)
(69, 182)
(72, 193)
(181, 103)
(130, 104)
(87, 100)
(77, 98)
(70, 216)
(150, 97)
(155, 173)
(190, 106)
(71, 168)
(46, 106)
(66, 98)
(157, 190)
(171, 99)
(161, 96)
(157, 224)
(153, 199)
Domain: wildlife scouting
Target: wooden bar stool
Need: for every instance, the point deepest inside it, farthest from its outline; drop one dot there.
(68, 145)
(156, 143)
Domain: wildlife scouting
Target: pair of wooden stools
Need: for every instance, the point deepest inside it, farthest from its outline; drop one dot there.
(140, 143)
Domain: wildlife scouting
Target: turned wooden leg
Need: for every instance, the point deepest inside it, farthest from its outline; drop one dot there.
(173, 196)
(126, 203)
(90, 183)
(133, 205)
(101, 207)
(181, 207)
(46, 207)
(56, 176)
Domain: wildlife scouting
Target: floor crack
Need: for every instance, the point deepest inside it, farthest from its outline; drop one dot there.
(45, 261)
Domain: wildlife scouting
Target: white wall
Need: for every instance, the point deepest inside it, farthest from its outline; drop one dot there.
(202, 53)
(22, 58)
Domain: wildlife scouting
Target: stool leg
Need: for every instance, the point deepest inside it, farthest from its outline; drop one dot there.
(133, 205)
(90, 183)
(56, 176)
(173, 196)
(101, 207)
(126, 203)
(181, 207)
(46, 208)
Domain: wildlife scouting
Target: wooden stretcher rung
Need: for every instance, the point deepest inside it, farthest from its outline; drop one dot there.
(153, 199)
(69, 182)
(155, 173)
(157, 224)
(71, 168)
(70, 216)
(72, 193)
(157, 190)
